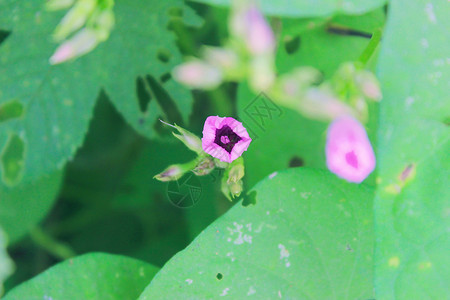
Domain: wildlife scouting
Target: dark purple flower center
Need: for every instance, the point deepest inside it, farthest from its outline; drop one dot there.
(226, 138)
(351, 159)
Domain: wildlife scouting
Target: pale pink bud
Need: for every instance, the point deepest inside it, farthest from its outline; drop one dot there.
(172, 173)
(320, 104)
(222, 58)
(369, 85)
(198, 75)
(84, 41)
(348, 150)
(249, 25)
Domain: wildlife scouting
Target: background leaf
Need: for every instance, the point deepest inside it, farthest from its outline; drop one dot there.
(308, 8)
(92, 276)
(411, 206)
(23, 207)
(309, 235)
(57, 101)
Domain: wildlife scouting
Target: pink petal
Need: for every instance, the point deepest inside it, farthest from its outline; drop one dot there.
(348, 150)
(213, 123)
(240, 147)
(260, 38)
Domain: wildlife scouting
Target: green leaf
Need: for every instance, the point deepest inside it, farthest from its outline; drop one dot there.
(91, 276)
(309, 236)
(6, 265)
(24, 206)
(309, 8)
(58, 101)
(282, 137)
(411, 205)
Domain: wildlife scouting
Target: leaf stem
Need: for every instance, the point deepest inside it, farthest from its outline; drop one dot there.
(52, 246)
(371, 47)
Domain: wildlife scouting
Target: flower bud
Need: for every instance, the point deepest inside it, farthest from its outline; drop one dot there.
(84, 41)
(173, 172)
(204, 167)
(74, 19)
(232, 184)
(249, 26)
(291, 87)
(104, 22)
(368, 84)
(198, 74)
(58, 4)
(225, 59)
(320, 104)
(191, 141)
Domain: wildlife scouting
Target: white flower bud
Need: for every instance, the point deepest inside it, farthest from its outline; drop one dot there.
(84, 41)
(198, 74)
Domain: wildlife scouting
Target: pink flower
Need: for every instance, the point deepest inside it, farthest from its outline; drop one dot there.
(224, 138)
(348, 150)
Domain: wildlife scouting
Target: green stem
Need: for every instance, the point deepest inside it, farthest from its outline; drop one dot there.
(52, 246)
(190, 165)
(371, 47)
(186, 43)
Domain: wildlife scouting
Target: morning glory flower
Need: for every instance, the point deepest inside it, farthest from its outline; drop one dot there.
(224, 138)
(348, 150)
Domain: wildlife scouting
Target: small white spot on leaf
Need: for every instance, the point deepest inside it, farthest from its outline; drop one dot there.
(251, 291)
(225, 292)
(430, 13)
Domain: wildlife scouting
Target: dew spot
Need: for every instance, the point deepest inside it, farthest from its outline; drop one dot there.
(430, 13)
(425, 265)
(271, 176)
(394, 262)
(284, 255)
(224, 292)
(68, 102)
(251, 291)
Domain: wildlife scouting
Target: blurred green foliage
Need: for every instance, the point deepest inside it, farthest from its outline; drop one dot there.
(80, 143)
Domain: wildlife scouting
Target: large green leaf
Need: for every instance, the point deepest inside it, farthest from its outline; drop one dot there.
(24, 206)
(309, 236)
(308, 8)
(412, 200)
(91, 276)
(53, 104)
(282, 136)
